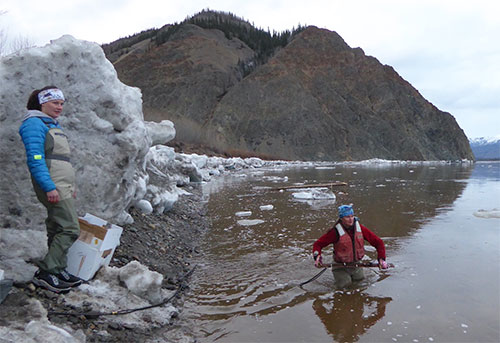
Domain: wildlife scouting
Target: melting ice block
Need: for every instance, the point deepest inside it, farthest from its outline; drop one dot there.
(314, 194)
(494, 213)
(250, 222)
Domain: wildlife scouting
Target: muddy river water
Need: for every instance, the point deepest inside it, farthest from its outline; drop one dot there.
(441, 227)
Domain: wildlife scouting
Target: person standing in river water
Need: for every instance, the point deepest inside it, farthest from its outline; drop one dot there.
(53, 179)
(347, 237)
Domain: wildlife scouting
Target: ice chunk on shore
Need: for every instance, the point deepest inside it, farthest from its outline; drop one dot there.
(141, 281)
(144, 206)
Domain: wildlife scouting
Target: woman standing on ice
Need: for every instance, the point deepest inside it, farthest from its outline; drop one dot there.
(347, 237)
(53, 179)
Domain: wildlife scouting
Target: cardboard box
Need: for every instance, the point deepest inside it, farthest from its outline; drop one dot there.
(94, 248)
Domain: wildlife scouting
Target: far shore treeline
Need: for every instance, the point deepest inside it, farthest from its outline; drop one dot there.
(263, 42)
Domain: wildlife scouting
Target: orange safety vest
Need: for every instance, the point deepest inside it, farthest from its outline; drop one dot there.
(343, 249)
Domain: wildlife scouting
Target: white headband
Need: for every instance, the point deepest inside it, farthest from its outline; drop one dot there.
(50, 95)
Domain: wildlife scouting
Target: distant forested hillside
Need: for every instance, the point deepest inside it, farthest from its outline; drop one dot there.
(300, 94)
(263, 42)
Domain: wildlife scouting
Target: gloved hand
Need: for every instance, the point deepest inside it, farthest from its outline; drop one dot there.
(382, 264)
(318, 260)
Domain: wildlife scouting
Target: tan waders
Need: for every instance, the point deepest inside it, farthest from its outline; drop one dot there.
(345, 276)
(62, 220)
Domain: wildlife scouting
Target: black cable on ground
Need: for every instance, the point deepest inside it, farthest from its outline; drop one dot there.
(96, 314)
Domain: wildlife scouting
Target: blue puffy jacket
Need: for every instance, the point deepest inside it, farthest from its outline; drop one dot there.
(33, 131)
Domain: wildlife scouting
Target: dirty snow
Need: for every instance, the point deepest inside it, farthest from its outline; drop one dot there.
(141, 281)
(129, 287)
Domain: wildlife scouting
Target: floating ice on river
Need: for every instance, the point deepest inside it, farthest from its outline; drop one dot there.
(273, 178)
(494, 213)
(314, 194)
(249, 222)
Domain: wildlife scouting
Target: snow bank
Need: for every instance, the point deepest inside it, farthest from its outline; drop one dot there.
(169, 171)
(16, 247)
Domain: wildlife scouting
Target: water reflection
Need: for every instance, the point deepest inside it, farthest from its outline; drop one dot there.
(247, 271)
(486, 171)
(348, 315)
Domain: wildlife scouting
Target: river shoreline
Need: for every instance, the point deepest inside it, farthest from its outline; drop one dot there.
(162, 242)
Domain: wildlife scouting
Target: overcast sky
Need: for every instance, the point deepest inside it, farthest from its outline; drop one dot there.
(448, 50)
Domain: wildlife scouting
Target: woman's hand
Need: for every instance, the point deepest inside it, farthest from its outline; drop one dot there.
(53, 196)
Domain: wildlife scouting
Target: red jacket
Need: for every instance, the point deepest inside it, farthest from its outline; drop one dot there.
(331, 237)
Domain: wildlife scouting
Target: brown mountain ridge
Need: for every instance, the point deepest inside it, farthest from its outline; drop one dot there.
(307, 97)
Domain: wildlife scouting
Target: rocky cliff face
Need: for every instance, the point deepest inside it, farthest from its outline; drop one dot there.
(185, 78)
(319, 99)
(315, 99)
